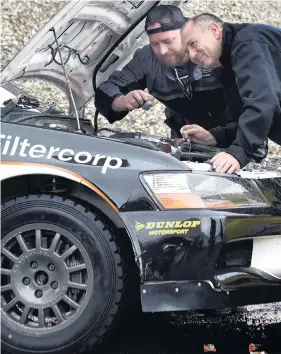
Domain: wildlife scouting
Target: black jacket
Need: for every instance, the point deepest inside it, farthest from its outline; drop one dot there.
(207, 107)
(251, 60)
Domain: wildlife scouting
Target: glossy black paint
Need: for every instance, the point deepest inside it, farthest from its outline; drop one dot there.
(130, 195)
(233, 278)
(192, 255)
(134, 160)
(185, 257)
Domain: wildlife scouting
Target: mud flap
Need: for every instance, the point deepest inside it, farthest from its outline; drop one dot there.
(181, 296)
(193, 295)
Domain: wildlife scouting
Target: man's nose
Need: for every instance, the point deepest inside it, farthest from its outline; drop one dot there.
(192, 53)
(163, 49)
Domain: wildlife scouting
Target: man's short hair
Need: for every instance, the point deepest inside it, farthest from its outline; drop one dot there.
(169, 18)
(206, 17)
(203, 19)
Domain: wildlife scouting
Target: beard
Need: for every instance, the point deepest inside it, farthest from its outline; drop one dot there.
(175, 59)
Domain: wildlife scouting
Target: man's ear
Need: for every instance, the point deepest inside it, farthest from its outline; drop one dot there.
(215, 30)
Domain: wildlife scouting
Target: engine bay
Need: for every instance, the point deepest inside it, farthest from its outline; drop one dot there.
(26, 110)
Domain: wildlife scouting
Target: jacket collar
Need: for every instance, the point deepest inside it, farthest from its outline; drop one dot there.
(227, 40)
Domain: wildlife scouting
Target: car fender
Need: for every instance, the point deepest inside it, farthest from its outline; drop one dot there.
(16, 169)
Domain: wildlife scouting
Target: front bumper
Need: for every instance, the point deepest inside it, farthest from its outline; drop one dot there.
(226, 253)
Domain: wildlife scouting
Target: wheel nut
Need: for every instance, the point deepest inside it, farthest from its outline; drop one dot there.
(38, 293)
(54, 285)
(51, 267)
(33, 265)
(26, 281)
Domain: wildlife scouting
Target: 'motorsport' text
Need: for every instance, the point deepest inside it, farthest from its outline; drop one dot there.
(13, 146)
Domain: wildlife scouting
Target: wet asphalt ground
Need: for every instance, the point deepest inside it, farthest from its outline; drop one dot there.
(186, 333)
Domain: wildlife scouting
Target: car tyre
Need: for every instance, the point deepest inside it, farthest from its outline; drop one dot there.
(46, 305)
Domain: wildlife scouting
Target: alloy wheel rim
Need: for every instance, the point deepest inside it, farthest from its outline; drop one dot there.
(47, 278)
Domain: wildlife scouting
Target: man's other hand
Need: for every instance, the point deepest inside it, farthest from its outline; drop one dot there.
(225, 163)
(133, 100)
(198, 135)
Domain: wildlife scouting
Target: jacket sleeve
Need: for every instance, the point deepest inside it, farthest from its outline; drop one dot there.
(226, 134)
(131, 77)
(252, 66)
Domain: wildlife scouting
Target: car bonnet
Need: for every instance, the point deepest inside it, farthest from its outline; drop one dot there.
(95, 38)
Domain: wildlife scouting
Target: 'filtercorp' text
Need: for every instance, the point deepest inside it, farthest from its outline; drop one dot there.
(17, 146)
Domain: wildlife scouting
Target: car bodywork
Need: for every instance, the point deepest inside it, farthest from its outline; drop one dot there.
(219, 250)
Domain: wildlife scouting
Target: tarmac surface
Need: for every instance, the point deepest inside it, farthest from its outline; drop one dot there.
(187, 333)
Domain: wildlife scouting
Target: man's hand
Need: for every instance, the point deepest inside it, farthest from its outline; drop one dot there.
(131, 101)
(225, 163)
(198, 135)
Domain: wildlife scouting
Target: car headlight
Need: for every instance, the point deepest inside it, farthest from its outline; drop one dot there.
(175, 190)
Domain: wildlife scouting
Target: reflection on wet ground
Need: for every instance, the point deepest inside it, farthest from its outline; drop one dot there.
(186, 333)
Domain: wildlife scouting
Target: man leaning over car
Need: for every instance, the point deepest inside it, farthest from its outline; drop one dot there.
(191, 94)
(250, 55)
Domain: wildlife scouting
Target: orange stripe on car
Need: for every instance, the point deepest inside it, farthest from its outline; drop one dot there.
(85, 181)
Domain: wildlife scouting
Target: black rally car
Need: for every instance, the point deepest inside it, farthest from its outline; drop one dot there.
(88, 213)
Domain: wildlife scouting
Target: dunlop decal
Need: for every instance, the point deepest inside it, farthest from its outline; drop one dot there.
(156, 228)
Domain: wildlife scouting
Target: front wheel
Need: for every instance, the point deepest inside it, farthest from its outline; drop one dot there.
(61, 276)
